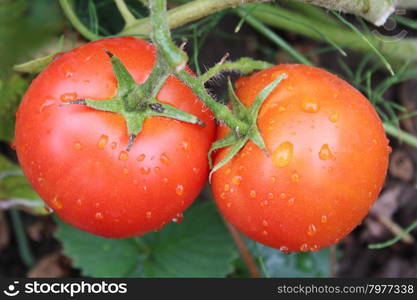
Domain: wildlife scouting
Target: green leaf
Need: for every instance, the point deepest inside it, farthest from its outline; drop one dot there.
(36, 65)
(200, 246)
(276, 264)
(15, 190)
(97, 256)
(11, 91)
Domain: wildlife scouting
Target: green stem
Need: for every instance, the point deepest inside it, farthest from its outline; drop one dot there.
(221, 111)
(400, 134)
(128, 17)
(21, 238)
(396, 239)
(72, 17)
(276, 39)
(186, 13)
(375, 11)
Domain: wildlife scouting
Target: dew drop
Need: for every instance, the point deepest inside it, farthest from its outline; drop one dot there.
(148, 214)
(125, 171)
(389, 149)
(144, 188)
(282, 155)
(284, 249)
(291, 201)
(265, 223)
(283, 196)
(157, 169)
(102, 141)
(304, 247)
(282, 108)
(252, 194)
(312, 230)
(79, 202)
(229, 204)
(141, 157)
(165, 180)
(295, 177)
(40, 179)
(68, 97)
(223, 195)
(77, 146)
(145, 170)
(334, 117)
(264, 203)
(178, 218)
(179, 190)
(123, 155)
(314, 248)
(46, 104)
(270, 195)
(226, 187)
(325, 152)
(237, 179)
(99, 216)
(264, 232)
(164, 158)
(195, 170)
(228, 171)
(310, 106)
(323, 219)
(185, 145)
(273, 179)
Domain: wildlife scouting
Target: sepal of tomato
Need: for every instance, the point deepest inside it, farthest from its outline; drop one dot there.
(75, 156)
(327, 163)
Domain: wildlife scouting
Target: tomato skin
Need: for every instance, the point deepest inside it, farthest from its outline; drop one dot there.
(75, 157)
(327, 163)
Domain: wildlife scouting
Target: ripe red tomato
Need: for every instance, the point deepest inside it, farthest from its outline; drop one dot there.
(327, 164)
(75, 157)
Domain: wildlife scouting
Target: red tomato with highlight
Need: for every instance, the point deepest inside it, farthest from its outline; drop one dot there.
(75, 157)
(327, 163)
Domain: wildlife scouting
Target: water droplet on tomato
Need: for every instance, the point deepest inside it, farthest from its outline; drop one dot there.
(283, 195)
(99, 216)
(141, 157)
(164, 158)
(102, 141)
(46, 104)
(223, 195)
(179, 218)
(323, 219)
(68, 97)
(144, 188)
(265, 223)
(325, 152)
(184, 145)
(79, 202)
(304, 247)
(179, 190)
(148, 214)
(229, 204)
(252, 194)
(291, 201)
(264, 232)
(77, 146)
(282, 155)
(284, 249)
(165, 180)
(312, 230)
(195, 170)
(270, 195)
(237, 179)
(310, 106)
(295, 177)
(40, 179)
(157, 169)
(56, 203)
(113, 145)
(226, 187)
(273, 179)
(145, 170)
(282, 108)
(125, 171)
(334, 117)
(264, 203)
(123, 155)
(228, 171)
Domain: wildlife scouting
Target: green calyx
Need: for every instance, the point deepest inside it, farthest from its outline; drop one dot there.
(236, 140)
(137, 102)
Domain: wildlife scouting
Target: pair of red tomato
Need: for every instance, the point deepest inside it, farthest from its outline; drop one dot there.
(327, 163)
